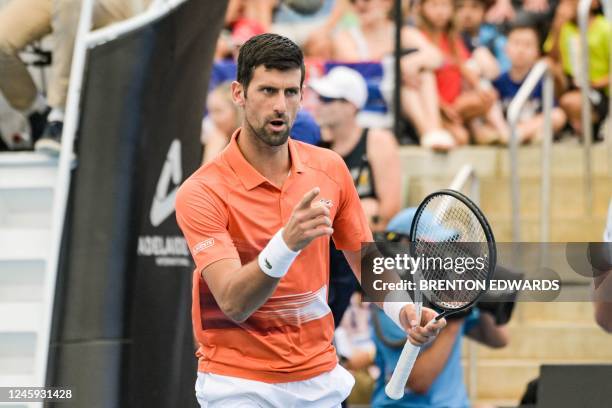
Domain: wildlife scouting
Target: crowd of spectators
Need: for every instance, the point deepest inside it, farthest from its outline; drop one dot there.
(462, 61)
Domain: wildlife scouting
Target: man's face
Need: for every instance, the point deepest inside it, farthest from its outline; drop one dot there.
(270, 103)
(522, 48)
(469, 15)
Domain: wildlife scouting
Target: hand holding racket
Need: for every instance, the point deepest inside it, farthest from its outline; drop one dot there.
(446, 224)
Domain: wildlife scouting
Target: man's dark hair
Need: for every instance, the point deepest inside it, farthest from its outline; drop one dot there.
(273, 51)
(529, 21)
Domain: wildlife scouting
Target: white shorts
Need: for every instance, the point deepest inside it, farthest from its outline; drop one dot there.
(325, 391)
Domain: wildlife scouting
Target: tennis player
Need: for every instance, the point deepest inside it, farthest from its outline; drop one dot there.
(258, 220)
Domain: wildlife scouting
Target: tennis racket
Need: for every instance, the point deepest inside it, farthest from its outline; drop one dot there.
(446, 224)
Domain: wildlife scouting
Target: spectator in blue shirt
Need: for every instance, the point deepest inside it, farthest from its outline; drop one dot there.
(437, 376)
(524, 51)
(477, 34)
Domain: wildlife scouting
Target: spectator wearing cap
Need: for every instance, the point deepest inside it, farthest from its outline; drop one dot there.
(370, 154)
(372, 158)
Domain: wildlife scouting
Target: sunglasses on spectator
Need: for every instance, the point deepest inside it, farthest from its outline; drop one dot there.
(326, 99)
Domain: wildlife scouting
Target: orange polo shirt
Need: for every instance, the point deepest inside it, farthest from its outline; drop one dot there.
(227, 209)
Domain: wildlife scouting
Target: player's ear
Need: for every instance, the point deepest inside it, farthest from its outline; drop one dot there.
(238, 94)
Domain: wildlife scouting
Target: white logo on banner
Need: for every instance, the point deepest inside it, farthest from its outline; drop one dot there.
(163, 202)
(168, 250)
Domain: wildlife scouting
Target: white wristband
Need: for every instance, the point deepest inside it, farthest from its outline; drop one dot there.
(276, 258)
(393, 309)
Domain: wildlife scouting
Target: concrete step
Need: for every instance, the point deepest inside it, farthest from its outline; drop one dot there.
(19, 244)
(554, 312)
(568, 197)
(579, 229)
(17, 352)
(25, 207)
(504, 379)
(16, 381)
(18, 317)
(21, 281)
(552, 342)
(24, 170)
(494, 161)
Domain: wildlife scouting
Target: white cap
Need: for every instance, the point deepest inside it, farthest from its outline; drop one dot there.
(342, 82)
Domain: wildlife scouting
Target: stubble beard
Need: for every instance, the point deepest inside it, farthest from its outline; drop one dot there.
(272, 139)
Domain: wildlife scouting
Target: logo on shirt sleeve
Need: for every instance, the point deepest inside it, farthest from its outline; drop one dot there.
(325, 202)
(201, 246)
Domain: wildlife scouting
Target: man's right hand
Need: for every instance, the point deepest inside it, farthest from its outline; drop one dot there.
(307, 222)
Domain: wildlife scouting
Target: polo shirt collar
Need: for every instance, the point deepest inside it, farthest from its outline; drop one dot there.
(247, 174)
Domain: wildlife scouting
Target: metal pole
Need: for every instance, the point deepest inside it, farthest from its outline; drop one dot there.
(397, 102)
(546, 152)
(62, 185)
(515, 187)
(514, 111)
(584, 7)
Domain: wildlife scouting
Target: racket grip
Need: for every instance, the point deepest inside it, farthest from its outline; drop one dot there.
(397, 384)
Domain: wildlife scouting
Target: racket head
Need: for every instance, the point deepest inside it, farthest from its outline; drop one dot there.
(447, 220)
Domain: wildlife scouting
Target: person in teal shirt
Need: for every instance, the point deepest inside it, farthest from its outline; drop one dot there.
(437, 376)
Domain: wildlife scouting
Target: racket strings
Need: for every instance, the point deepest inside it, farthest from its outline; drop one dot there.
(446, 238)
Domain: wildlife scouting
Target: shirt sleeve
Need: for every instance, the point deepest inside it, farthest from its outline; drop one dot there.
(350, 224)
(202, 216)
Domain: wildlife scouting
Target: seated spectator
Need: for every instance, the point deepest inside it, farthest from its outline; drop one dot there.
(437, 375)
(370, 154)
(230, 40)
(372, 158)
(419, 93)
(355, 348)
(563, 44)
(467, 103)
(260, 11)
(482, 39)
(312, 32)
(222, 120)
(504, 11)
(372, 38)
(16, 31)
(523, 50)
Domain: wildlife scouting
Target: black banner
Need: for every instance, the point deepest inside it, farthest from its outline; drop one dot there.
(122, 332)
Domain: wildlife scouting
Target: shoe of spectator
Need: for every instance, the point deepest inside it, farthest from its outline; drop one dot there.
(439, 140)
(51, 140)
(37, 121)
